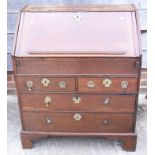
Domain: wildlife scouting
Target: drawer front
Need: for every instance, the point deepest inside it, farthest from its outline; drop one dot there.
(77, 122)
(108, 85)
(46, 84)
(78, 65)
(78, 102)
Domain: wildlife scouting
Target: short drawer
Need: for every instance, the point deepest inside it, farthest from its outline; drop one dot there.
(46, 84)
(78, 122)
(78, 102)
(77, 65)
(108, 85)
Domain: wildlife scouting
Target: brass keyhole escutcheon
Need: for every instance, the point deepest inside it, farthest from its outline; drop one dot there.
(124, 84)
(107, 83)
(77, 16)
(76, 100)
(90, 84)
(29, 85)
(77, 117)
(45, 82)
(106, 101)
(62, 84)
(47, 100)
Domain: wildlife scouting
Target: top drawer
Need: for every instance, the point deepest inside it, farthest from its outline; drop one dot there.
(77, 65)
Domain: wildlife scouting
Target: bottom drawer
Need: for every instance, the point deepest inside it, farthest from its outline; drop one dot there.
(77, 122)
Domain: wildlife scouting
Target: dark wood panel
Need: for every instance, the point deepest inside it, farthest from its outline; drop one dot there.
(77, 65)
(78, 102)
(89, 122)
(114, 87)
(82, 33)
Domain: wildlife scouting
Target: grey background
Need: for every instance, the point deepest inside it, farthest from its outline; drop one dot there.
(15, 5)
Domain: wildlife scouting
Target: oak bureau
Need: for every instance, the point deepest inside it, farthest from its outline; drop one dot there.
(77, 72)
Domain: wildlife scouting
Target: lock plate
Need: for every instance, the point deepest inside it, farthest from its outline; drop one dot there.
(45, 82)
(107, 83)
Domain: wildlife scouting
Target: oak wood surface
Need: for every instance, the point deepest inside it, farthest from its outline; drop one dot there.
(88, 103)
(91, 8)
(102, 66)
(115, 86)
(84, 43)
(90, 122)
(82, 33)
(53, 86)
(128, 139)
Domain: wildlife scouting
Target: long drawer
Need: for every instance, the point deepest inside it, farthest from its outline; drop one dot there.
(78, 102)
(46, 84)
(78, 122)
(78, 65)
(108, 85)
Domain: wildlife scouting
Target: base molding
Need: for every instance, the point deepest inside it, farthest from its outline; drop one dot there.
(128, 140)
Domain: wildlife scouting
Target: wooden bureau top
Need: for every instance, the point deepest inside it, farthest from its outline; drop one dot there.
(70, 8)
(77, 31)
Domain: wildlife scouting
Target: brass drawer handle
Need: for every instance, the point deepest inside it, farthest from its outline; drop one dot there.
(105, 122)
(76, 100)
(107, 83)
(77, 117)
(49, 121)
(90, 84)
(62, 84)
(47, 100)
(124, 84)
(29, 85)
(45, 82)
(106, 101)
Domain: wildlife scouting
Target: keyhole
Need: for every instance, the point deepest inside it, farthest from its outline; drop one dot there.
(77, 16)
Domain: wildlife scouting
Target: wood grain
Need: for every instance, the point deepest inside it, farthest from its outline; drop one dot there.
(88, 103)
(90, 122)
(102, 66)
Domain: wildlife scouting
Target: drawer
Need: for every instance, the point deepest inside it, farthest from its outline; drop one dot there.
(78, 122)
(108, 85)
(46, 84)
(77, 65)
(78, 102)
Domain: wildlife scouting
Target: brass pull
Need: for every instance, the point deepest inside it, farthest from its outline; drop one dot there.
(105, 122)
(47, 100)
(29, 85)
(107, 83)
(106, 101)
(77, 117)
(49, 121)
(76, 100)
(62, 84)
(90, 84)
(45, 82)
(124, 84)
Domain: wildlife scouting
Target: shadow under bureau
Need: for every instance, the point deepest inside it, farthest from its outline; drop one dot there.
(77, 71)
